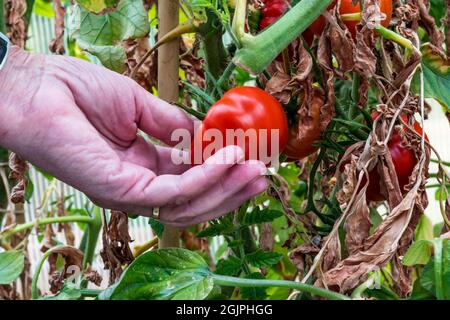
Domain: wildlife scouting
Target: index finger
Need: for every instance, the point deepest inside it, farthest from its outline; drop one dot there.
(158, 118)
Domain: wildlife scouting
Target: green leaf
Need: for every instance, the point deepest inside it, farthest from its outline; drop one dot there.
(419, 253)
(254, 293)
(427, 277)
(69, 291)
(157, 227)
(43, 8)
(217, 229)
(436, 74)
(437, 10)
(229, 267)
(259, 216)
(98, 6)
(46, 175)
(424, 229)
(11, 265)
(102, 35)
(175, 274)
(435, 277)
(420, 293)
(262, 259)
(29, 189)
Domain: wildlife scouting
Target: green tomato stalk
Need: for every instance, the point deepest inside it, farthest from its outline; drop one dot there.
(259, 51)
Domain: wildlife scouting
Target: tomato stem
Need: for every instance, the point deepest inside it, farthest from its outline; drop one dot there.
(355, 95)
(263, 283)
(437, 244)
(259, 51)
(184, 28)
(199, 115)
(93, 230)
(45, 221)
(238, 24)
(2, 18)
(351, 16)
(393, 36)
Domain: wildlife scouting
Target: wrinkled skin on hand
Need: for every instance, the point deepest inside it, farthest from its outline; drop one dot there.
(80, 122)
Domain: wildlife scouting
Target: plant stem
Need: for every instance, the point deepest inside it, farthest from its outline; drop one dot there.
(437, 185)
(257, 283)
(351, 16)
(216, 56)
(437, 243)
(140, 249)
(34, 288)
(355, 95)
(391, 35)
(225, 76)
(174, 34)
(259, 51)
(90, 292)
(2, 17)
(45, 221)
(445, 163)
(93, 230)
(29, 12)
(199, 115)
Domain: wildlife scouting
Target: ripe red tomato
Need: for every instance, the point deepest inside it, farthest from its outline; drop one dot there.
(348, 7)
(250, 110)
(403, 159)
(300, 144)
(272, 10)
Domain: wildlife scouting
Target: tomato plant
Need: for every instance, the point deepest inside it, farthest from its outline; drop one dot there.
(249, 109)
(274, 9)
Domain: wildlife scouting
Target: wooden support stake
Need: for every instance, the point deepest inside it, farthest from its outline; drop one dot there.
(168, 64)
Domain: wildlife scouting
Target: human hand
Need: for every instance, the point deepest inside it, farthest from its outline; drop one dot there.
(80, 122)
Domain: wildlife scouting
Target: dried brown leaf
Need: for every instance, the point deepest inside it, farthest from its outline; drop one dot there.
(116, 250)
(93, 276)
(436, 36)
(73, 265)
(18, 172)
(57, 44)
(147, 75)
(281, 87)
(15, 21)
(266, 240)
(341, 42)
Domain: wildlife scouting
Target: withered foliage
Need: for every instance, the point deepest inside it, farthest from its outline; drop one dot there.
(68, 232)
(147, 74)
(18, 172)
(93, 276)
(8, 292)
(116, 250)
(57, 44)
(368, 248)
(192, 64)
(192, 242)
(15, 21)
(73, 263)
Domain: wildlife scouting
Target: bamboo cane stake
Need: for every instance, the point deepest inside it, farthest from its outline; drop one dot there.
(168, 64)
